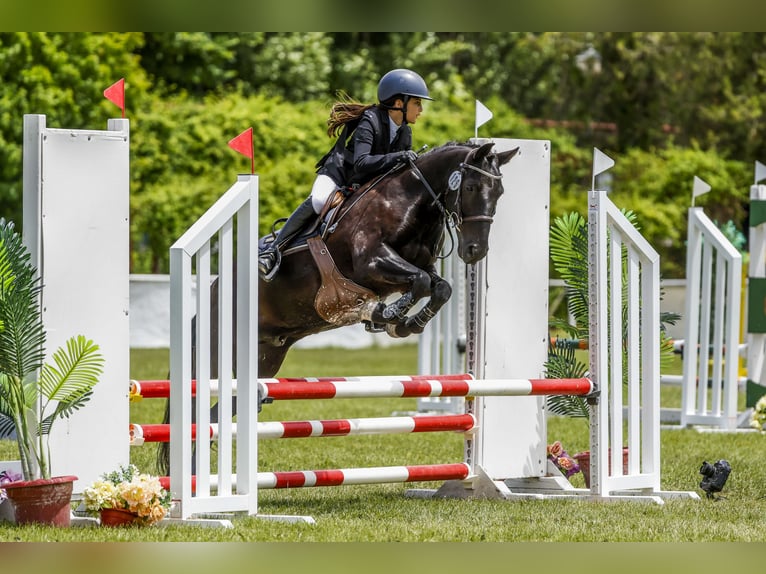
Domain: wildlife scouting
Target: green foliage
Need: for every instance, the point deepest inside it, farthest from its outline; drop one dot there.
(657, 184)
(569, 254)
(666, 106)
(181, 164)
(62, 76)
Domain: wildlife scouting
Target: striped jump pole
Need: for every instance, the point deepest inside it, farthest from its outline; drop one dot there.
(426, 387)
(160, 388)
(351, 476)
(139, 434)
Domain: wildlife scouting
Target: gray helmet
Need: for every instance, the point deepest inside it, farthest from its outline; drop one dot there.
(402, 81)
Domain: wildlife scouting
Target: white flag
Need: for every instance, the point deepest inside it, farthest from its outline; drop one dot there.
(483, 115)
(760, 171)
(700, 187)
(601, 161)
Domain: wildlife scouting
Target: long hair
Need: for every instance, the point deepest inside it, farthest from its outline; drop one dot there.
(343, 111)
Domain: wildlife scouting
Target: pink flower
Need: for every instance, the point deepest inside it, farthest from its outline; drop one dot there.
(561, 459)
(555, 449)
(8, 476)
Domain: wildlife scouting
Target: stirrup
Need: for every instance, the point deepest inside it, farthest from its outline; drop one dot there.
(268, 275)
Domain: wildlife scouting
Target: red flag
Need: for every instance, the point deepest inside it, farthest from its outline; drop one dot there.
(243, 144)
(116, 94)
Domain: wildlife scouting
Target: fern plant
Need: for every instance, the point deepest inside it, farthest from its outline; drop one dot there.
(569, 254)
(34, 394)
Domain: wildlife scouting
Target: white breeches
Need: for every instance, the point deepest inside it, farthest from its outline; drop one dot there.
(323, 188)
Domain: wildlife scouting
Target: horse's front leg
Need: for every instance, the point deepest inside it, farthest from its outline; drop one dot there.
(441, 291)
(389, 272)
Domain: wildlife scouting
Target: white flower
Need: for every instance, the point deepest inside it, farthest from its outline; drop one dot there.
(141, 494)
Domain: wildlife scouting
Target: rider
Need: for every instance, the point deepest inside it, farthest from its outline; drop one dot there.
(373, 138)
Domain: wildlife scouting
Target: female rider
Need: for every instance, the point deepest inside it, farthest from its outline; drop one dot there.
(373, 138)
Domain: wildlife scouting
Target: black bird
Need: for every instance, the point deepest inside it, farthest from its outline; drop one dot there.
(714, 477)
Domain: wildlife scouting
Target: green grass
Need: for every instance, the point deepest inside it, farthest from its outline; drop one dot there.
(382, 513)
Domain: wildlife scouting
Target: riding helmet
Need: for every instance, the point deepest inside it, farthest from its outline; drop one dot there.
(402, 81)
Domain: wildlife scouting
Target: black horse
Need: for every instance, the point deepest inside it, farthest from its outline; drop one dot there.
(384, 240)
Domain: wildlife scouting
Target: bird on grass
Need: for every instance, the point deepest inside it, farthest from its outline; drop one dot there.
(714, 477)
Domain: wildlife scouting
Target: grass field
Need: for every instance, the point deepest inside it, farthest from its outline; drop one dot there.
(382, 513)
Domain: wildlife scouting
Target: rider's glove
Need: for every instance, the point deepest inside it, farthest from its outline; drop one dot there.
(408, 156)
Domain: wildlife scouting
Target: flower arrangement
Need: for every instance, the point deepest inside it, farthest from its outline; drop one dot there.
(758, 420)
(127, 489)
(561, 459)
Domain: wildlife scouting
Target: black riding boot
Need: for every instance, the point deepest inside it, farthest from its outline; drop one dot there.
(270, 258)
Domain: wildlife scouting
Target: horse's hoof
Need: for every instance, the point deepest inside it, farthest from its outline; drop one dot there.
(398, 330)
(371, 327)
(414, 327)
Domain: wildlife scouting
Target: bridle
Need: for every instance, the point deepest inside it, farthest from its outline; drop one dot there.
(487, 218)
(454, 217)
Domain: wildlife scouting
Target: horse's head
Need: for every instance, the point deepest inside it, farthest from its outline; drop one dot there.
(478, 188)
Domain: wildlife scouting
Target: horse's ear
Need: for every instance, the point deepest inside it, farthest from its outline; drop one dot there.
(505, 156)
(482, 151)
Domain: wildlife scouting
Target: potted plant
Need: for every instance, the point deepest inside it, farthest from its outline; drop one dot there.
(569, 254)
(34, 394)
(127, 497)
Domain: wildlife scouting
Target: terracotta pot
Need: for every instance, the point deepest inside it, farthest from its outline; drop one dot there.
(42, 501)
(118, 517)
(583, 459)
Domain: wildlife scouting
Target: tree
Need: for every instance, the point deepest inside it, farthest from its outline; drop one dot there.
(62, 76)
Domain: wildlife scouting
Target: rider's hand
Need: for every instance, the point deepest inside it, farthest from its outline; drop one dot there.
(408, 156)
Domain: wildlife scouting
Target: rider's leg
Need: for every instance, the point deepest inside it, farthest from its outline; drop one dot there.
(269, 258)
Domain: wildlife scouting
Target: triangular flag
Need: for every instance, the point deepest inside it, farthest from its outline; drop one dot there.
(699, 187)
(483, 115)
(601, 163)
(243, 144)
(116, 94)
(760, 171)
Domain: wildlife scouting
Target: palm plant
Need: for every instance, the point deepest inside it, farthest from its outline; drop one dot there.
(33, 395)
(569, 254)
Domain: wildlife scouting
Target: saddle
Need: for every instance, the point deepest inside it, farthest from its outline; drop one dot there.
(338, 299)
(321, 226)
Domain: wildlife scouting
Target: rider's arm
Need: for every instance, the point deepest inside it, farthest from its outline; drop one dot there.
(367, 164)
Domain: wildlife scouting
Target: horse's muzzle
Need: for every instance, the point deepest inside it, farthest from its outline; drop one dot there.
(472, 252)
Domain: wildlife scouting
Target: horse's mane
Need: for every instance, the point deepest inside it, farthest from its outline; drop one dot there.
(449, 144)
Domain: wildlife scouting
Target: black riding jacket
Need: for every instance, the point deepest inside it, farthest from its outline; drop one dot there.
(365, 150)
